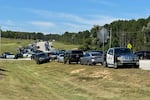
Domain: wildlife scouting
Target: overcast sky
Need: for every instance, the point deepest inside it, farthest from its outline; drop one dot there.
(58, 16)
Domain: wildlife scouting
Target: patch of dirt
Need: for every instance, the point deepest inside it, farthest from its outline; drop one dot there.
(77, 71)
(98, 75)
(101, 74)
(85, 75)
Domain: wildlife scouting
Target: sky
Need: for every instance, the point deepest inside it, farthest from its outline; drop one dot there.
(59, 16)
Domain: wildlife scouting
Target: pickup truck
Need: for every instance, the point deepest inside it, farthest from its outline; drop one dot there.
(119, 56)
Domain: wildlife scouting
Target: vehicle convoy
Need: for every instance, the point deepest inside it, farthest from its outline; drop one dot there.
(119, 56)
(72, 56)
(91, 58)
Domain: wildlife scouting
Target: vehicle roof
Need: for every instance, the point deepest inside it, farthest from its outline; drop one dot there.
(143, 51)
(93, 52)
(40, 53)
(73, 50)
(118, 48)
(8, 52)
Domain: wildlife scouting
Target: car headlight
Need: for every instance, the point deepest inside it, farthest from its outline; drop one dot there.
(92, 60)
(119, 58)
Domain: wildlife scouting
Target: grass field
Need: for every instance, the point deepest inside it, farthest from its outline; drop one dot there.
(60, 46)
(25, 80)
(11, 45)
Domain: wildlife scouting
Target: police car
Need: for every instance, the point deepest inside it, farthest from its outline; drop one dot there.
(119, 56)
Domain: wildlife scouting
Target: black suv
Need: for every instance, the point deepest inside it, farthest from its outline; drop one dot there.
(143, 54)
(72, 56)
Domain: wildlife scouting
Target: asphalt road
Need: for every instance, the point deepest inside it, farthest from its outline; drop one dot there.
(16, 59)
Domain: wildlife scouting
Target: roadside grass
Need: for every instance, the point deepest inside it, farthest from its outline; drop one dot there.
(25, 80)
(11, 45)
(61, 46)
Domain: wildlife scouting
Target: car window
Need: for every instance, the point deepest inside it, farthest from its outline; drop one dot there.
(86, 54)
(110, 52)
(61, 55)
(122, 51)
(96, 54)
(42, 55)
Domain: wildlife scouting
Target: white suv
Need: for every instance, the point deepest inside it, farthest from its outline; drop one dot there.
(119, 56)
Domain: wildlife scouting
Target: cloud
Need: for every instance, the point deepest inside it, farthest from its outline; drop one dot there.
(70, 22)
(42, 24)
(71, 27)
(61, 22)
(9, 25)
(88, 20)
(30, 26)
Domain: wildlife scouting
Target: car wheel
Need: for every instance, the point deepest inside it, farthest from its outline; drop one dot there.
(115, 65)
(104, 64)
(68, 61)
(38, 62)
(81, 62)
(64, 62)
(77, 62)
(136, 66)
(93, 63)
(88, 63)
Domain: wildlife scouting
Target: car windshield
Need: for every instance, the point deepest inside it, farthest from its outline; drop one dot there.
(96, 54)
(42, 55)
(122, 51)
(78, 52)
(61, 55)
(8, 53)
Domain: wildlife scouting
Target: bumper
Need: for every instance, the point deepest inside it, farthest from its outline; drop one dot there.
(133, 63)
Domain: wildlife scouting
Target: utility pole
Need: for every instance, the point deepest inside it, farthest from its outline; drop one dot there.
(110, 38)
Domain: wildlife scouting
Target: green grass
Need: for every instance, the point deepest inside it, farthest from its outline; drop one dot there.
(59, 45)
(11, 45)
(25, 80)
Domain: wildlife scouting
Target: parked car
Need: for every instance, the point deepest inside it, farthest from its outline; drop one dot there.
(18, 55)
(119, 56)
(52, 55)
(60, 58)
(72, 56)
(41, 58)
(8, 55)
(143, 54)
(34, 53)
(91, 58)
(28, 54)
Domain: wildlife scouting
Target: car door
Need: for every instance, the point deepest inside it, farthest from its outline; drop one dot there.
(110, 57)
(88, 58)
(84, 59)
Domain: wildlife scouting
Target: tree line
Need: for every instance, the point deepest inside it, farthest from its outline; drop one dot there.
(135, 32)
